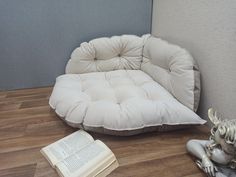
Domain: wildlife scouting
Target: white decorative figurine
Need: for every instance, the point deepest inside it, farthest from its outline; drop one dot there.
(217, 156)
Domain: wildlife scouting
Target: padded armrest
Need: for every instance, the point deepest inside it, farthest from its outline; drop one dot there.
(174, 68)
(107, 54)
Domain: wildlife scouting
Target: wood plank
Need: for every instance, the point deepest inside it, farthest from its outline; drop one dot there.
(201, 174)
(172, 137)
(34, 103)
(28, 112)
(22, 171)
(173, 166)
(24, 98)
(26, 120)
(19, 158)
(49, 129)
(28, 142)
(26, 92)
(43, 169)
(2, 94)
(13, 132)
(8, 106)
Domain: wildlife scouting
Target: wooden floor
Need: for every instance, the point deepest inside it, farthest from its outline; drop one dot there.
(27, 124)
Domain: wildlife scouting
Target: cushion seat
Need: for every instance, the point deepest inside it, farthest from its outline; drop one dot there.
(120, 100)
(126, 85)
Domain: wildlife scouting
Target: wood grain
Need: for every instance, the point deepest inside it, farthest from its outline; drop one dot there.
(27, 124)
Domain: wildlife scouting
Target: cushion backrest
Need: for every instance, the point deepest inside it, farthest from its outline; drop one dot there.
(169, 65)
(106, 54)
(174, 68)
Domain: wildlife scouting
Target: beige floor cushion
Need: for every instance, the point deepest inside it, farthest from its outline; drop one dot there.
(127, 85)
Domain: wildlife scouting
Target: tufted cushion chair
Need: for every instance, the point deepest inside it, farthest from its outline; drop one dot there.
(126, 85)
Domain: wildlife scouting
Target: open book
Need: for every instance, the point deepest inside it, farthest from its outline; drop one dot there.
(78, 155)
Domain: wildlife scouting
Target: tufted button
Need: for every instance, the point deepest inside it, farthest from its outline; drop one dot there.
(119, 55)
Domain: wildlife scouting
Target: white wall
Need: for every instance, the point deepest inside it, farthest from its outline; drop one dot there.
(207, 28)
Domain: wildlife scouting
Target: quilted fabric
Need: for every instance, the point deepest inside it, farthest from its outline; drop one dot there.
(106, 54)
(117, 100)
(126, 85)
(174, 68)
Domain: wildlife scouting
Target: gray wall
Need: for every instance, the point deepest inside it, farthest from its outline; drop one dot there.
(207, 28)
(37, 36)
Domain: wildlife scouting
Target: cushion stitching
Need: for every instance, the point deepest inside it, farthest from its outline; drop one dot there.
(141, 127)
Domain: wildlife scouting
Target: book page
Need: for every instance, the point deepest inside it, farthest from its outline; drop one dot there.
(65, 147)
(90, 160)
(106, 171)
